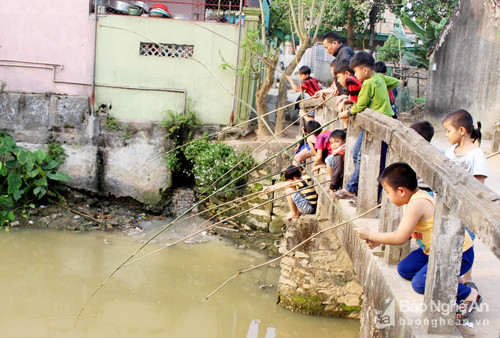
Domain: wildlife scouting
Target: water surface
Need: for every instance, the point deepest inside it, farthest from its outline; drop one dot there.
(47, 276)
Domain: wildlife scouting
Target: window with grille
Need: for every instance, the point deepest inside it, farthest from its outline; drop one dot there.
(166, 50)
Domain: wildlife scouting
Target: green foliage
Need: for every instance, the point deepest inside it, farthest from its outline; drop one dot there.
(111, 123)
(418, 55)
(57, 152)
(179, 128)
(212, 160)
(424, 11)
(390, 50)
(26, 176)
(337, 15)
(128, 133)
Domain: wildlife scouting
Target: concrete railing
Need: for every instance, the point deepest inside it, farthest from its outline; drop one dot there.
(460, 199)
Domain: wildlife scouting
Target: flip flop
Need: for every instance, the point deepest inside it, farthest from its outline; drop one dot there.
(343, 194)
(467, 308)
(471, 285)
(353, 202)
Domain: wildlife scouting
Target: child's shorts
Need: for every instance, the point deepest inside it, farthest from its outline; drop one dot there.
(304, 206)
(329, 160)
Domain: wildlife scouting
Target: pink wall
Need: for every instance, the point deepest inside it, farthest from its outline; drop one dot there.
(50, 31)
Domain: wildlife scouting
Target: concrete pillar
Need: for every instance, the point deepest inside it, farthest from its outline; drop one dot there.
(495, 145)
(368, 174)
(390, 217)
(443, 270)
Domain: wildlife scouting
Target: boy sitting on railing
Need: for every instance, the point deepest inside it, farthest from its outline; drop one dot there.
(301, 195)
(306, 149)
(335, 161)
(308, 87)
(373, 95)
(399, 181)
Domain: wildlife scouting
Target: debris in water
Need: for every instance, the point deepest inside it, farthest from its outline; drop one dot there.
(262, 246)
(106, 242)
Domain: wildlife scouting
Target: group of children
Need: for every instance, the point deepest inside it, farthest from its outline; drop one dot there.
(370, 89)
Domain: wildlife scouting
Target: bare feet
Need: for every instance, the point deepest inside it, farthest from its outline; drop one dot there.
(290, 216)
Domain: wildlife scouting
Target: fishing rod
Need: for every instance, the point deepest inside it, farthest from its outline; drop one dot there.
(289, 251)
(219, 222)
(253, 195)
(221, 132)
(190, 209)
(258, 148)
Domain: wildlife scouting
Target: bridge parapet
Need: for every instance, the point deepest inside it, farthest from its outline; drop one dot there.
(460, 199)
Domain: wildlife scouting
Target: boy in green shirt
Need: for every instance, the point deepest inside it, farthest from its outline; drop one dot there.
(373, 95)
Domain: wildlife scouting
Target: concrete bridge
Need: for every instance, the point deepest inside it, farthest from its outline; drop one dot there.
(390, 306)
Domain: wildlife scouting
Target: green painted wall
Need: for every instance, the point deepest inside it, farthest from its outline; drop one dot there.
(119, 63)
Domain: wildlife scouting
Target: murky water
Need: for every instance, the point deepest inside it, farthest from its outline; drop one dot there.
(47, 276)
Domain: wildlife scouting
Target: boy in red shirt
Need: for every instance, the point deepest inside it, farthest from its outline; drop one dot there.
(345, 76)
(308, 86)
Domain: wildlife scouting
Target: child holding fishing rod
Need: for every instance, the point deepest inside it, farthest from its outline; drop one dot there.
(301, 195)
(400, 183)
(373, 95)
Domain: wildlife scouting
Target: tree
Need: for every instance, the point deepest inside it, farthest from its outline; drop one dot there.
(424, 11)
(419, 55)
(306, 20)
(390, 51)
(348, 15)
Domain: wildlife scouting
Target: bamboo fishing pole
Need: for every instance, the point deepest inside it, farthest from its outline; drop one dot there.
(167, 226)
(289, 251)
(493, 154)
(212, 225)
(254, 195)
(223, 204)
(259, 147)
(219, 132)
(189, 210)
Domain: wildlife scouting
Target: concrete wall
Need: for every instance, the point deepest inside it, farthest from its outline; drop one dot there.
(99, 160)
(51, 31)
(465, 65)
(119, 64)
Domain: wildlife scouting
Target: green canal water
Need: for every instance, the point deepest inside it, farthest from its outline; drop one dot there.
(47, 276)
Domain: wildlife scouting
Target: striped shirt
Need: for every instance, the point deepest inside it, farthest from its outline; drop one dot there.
(353, 87)
(310, 86)
(306, 189)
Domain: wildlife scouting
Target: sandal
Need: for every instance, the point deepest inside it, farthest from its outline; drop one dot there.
(353, 202)
(471, 285)
(343, 194)
(467, 308)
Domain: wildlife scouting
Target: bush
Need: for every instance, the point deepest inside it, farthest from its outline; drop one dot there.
(27, 176)
(179, 128)
(210, 161)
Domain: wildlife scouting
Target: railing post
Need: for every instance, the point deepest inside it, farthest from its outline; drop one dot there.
(368, 173)
(442, 271)
(495, 145)
(390, 217)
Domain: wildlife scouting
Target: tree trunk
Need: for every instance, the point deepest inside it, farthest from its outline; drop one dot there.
(373, 21)
(261, 95)
(282, 91)
(350, 27)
